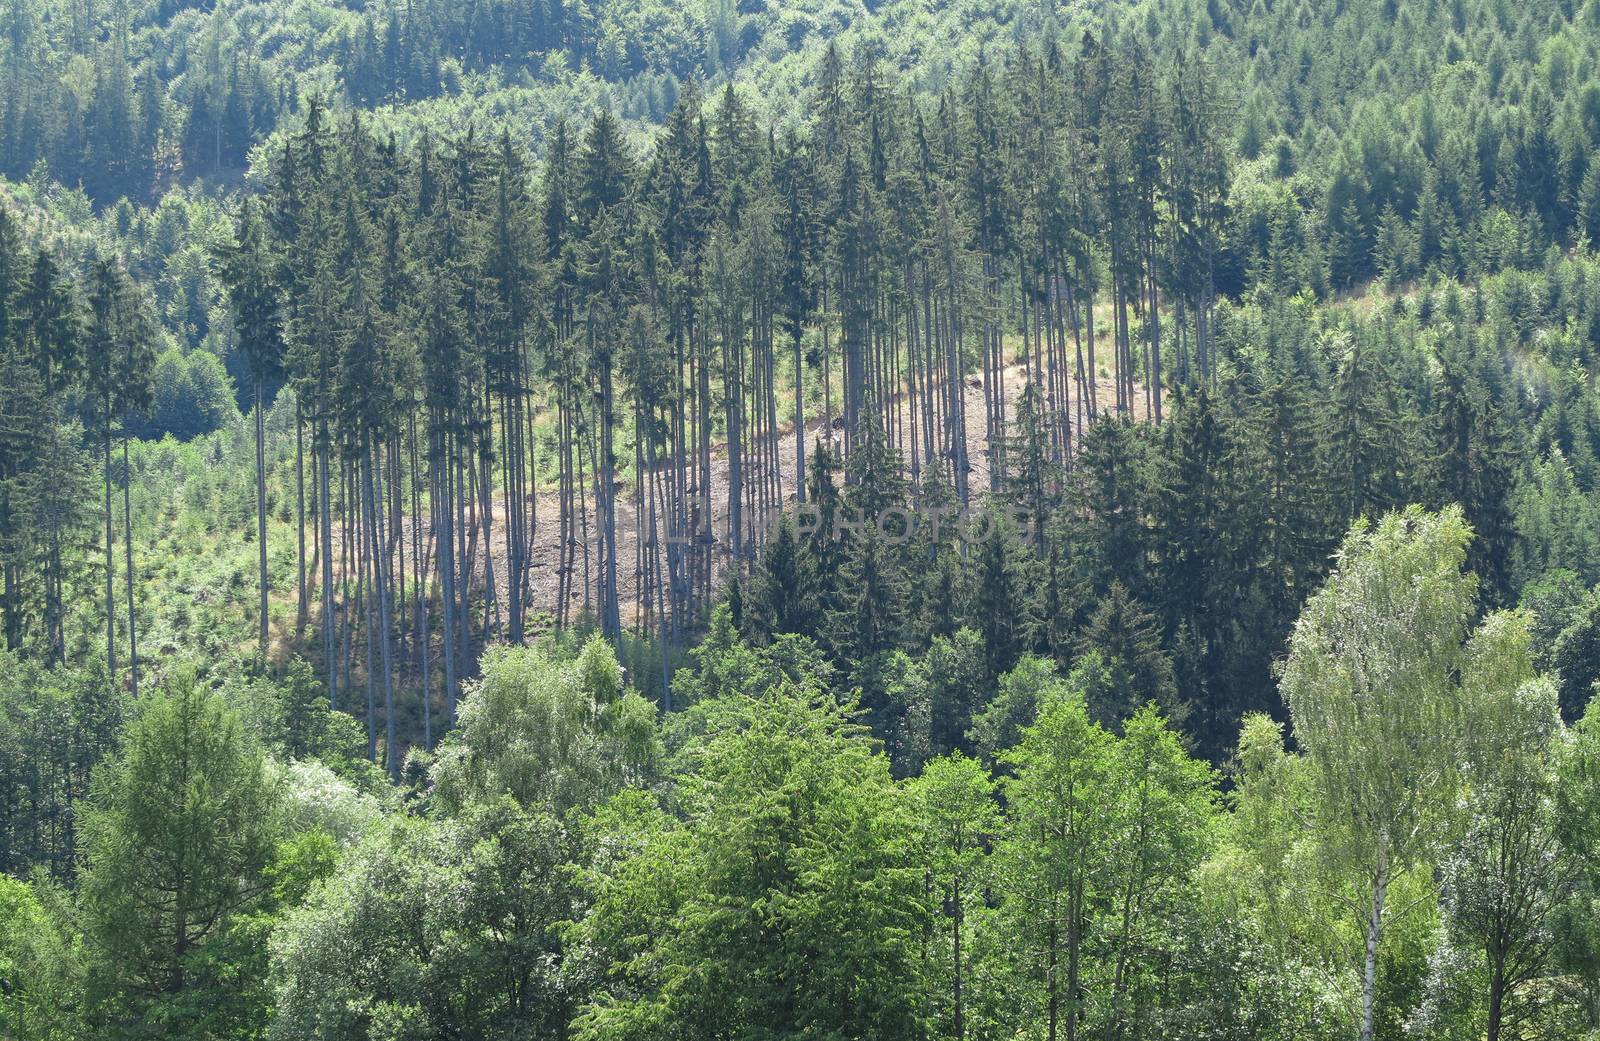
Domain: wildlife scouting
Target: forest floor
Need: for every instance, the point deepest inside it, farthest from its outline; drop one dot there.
(544, 578)
(543, 581)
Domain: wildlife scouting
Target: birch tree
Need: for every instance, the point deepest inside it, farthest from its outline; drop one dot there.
(1371, 690)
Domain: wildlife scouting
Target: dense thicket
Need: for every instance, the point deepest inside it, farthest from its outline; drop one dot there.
(574, 864)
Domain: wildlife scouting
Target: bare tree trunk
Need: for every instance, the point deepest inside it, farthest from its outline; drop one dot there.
(380, 584)
(261, 514)
(127, 547)
(325, 510)
(1369, 978)
(303, 609)
(111, 578)
(447, 567)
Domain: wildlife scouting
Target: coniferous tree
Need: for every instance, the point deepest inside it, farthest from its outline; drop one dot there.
(254, 295)
(119, 353)
(177, 832)
(1004, 601)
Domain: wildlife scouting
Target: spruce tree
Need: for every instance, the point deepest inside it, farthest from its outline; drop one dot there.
(249, 267)
(120, 355)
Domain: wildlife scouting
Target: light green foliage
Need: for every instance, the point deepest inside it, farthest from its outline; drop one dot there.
(318, 800)
(231, 990)
(554, 735)
(729, 670)
(784, 902)
(195, 554)
(1163, 823)
(1415, 734)
(38, 969)
(1576, 794)
(1504, 879)
(432, 929)
(1268, 874)
(193, 396)
(1370, 682)
(1023, 695)
(1104, 835)
(1056, 842)
(725, 664)
(1372, 691)
(953, 799)
(1344, 252)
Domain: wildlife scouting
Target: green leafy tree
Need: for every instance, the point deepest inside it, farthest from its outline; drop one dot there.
(954, 800)
(785, 901)
(38, 968)
(552, 734)
(1162, 825)
(1576, 797)
(387, 947)
(177, 833)
(1504, 878)
(1371, 687)
(1059, 806)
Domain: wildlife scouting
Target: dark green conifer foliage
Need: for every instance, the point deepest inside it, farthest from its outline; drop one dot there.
(1004, 604)
(1109, 530)
(1473, 467)
(783, 594)
(1126, 636)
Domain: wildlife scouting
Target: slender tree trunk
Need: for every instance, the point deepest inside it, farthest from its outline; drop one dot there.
(799, 420)
(325, 516)
(1497, 990)
(462, 501)
(956, 924)
(611, 621)
(1094, 374)
(366, 562)
(380, 585)
(261, 514)
(1052, 987)
(447, 567)
(303, 610)
(111, 576)
(491, 607)
(1074, 956)
(13, 608)
(55, 625)
(127, 547)
(1369, 977)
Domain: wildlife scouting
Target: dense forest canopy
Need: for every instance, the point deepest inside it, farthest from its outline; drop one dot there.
(533, 518)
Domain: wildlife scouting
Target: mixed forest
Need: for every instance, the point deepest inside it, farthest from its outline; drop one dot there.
(799, 519)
